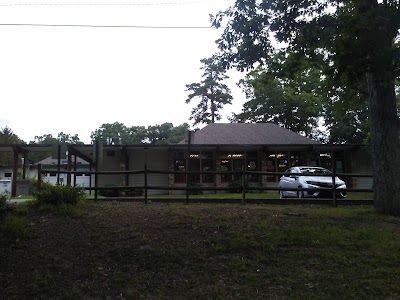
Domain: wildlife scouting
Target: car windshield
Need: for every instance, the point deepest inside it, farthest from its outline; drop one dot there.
(315, 170)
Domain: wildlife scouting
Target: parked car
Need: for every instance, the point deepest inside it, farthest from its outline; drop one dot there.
(310, 180)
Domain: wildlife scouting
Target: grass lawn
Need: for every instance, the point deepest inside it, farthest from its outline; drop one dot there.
(110, 250)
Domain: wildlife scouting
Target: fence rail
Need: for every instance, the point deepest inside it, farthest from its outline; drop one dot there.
(188, 188)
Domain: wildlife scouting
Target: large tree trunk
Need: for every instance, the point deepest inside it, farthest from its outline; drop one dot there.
(385, 145)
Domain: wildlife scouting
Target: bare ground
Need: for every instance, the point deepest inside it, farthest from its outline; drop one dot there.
(157, 251)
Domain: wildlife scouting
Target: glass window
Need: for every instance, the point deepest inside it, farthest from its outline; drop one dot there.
(207, 165)
(251, 154)
(207, 154)
(238, 166)
(252, 166)
(238, 161)
(271, 167)
(277, 162)
(295, 158)
(194, 165)
(282, 165)
(195, 155)
(226, 155)
(180, 166)
(226, 166)
(199, 161)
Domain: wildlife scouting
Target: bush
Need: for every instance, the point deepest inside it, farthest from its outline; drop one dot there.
(235, 186)
(134, 192)
(194, 189)
(109, 192)
(130, 192)
(3, 200)
(13, 227)
(57, 194)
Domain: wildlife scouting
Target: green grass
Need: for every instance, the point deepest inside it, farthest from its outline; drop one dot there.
(227, 251)
(64, 209)
(229, 196)
(30, 197)
(14, 228)
(306, 253)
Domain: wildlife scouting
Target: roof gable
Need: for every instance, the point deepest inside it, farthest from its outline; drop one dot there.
(248, 134)
(54, 161)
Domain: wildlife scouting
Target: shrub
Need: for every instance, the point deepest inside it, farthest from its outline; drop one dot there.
(194, 189)
(3, 200)
(57, 194)
(109, 192)
(235, 186)
(13, 227)
(134, 192)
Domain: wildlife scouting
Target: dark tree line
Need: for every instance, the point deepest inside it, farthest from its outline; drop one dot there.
(165, 133)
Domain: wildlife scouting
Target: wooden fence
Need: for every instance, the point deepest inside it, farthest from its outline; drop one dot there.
(245, 197)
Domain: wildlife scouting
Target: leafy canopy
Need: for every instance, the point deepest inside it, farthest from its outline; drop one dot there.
(284, 94)
(165, 133)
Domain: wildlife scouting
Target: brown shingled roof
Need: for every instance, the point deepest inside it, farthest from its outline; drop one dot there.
(249, 134)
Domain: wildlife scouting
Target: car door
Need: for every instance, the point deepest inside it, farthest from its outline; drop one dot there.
(288, 182)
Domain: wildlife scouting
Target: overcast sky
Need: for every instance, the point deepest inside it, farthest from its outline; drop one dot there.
(74, 79)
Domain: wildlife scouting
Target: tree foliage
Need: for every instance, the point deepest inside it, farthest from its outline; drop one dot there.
(49, 139)
(211, 91)
(287, 96)
(7, 136)
(63, 138)
(358, 43)
(165, 133)
(128, 135)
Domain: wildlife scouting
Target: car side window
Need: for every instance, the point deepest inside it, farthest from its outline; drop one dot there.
(287, 173)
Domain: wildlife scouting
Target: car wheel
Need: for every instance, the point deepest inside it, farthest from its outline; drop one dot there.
(281, 195)
(300, 194)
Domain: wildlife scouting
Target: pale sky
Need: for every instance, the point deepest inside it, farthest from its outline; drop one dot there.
(74, 79)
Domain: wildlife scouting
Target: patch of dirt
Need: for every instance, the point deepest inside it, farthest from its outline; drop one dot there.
(118, 251)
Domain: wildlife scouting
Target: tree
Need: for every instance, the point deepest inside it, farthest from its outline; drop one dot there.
(7, 136)
(166, 133)
(49, 139)
(293, 92)
(359, 43)
(128, 135)
(63, 138)
(213, 94)
(290, 100)
(346, 114)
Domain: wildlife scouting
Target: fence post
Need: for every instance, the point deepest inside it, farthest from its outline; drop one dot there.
(334, 189)
(333, 179)
(96, 168)
(145, 183)
(188, 176)
(243, 186)
(39, 177)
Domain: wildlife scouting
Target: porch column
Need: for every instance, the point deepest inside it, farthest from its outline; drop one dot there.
(15, 175)
(262, 156)
(171, 177)
(69, 162)
(217, 168)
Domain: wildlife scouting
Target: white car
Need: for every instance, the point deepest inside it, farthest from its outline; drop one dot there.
(294, 180)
